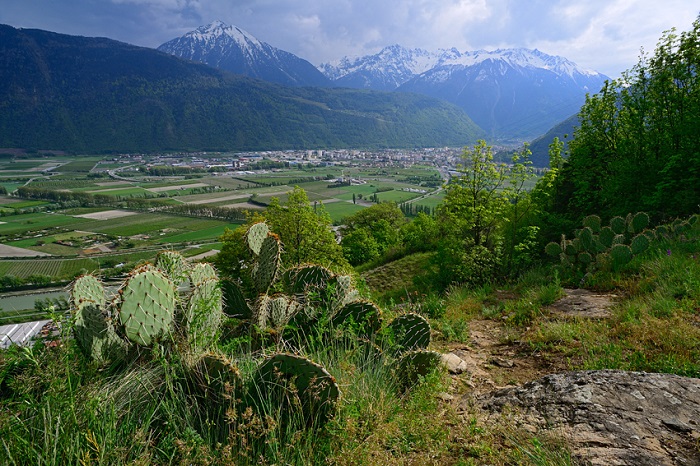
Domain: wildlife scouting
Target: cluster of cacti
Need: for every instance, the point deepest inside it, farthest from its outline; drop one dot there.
(149, 311)
(596, 247)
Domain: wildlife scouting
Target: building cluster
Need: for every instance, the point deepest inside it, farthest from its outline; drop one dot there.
(230, 161)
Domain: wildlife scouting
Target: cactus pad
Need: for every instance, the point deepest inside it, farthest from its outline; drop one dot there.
(363, 317)
(287, 383)
(256, 235)
(145, 305)
(200, 272)
(606, 236)
(275, 311)
(593, 222)
(585, 258)
(215, 378)
(267, 267)
(585, 235)
(203, 314)
(235, 304)
(409, 332)
(95, 334)
(569, 248)
(638, 222)
(553, 249)
(173, 265)
(617, 224)
(639, 244)
(87, 289)
(620, 254)
(301, 278)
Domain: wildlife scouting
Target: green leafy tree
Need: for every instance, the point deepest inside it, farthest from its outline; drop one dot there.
(470, 217)
(383, 221)
(305, 231)
(519, 234)
(421, 234)
(638, 144)
(359, 246)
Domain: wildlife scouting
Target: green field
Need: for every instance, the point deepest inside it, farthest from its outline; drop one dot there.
(149, 224)
(61, 269)
(211, 233)
(340, 210)
(35, 222)
(83, 165)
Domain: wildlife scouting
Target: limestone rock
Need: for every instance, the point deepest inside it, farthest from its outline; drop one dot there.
(454, 364)
(610, 417)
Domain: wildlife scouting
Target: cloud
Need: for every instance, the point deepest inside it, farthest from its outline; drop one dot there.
(600, 34)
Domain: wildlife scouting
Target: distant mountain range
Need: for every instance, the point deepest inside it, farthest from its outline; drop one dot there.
(510, 93)
(232, 49)
(513, 94)
(93, 94)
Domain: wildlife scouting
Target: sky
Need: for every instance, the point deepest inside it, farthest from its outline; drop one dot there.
(602, 35)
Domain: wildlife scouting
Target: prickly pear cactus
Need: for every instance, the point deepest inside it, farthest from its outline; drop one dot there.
(414, 365)
(92, 327)
(215, 378)
(639, 244)
(593, 222)
(256, 235)
(620, 254)
(200, 272)
(173, 265)
(87, 288)
(638, 222)
(311, 276)
(553, 249)
(267, 267)
(606, 236)
(291, 384)
(95, 334)
(617, 224)
(363, 317)
(408, 332)
(235, 304)
(203, 315)
(274, 312)
(145, 305)
(585, 235)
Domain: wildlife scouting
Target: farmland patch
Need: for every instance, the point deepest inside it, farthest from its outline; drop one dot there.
(107, 214)
(13, 251)
(176, 187)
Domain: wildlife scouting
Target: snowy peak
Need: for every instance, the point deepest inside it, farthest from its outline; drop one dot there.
(232, 49)
(404, 64)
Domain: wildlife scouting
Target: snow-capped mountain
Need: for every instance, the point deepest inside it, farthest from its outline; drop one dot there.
(385, 71)
(233, 49)
(511, 93)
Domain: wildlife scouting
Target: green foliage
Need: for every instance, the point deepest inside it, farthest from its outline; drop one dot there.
(120, 98)
(304, 231)
(637, 145)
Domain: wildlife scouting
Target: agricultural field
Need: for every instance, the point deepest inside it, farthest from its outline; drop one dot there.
(98, 218)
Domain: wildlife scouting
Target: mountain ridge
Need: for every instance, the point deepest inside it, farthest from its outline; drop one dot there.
(94, 94)
(515, 93)
(233, 49)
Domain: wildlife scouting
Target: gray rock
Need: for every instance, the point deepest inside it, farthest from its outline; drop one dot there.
(454, 364)
(610, 417)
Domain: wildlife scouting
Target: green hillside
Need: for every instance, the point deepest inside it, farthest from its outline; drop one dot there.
(92, 94)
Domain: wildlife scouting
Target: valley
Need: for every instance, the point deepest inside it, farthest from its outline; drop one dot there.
(64, 216)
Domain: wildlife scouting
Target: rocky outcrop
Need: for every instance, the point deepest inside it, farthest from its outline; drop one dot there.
(608, 417)
(584, 303)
